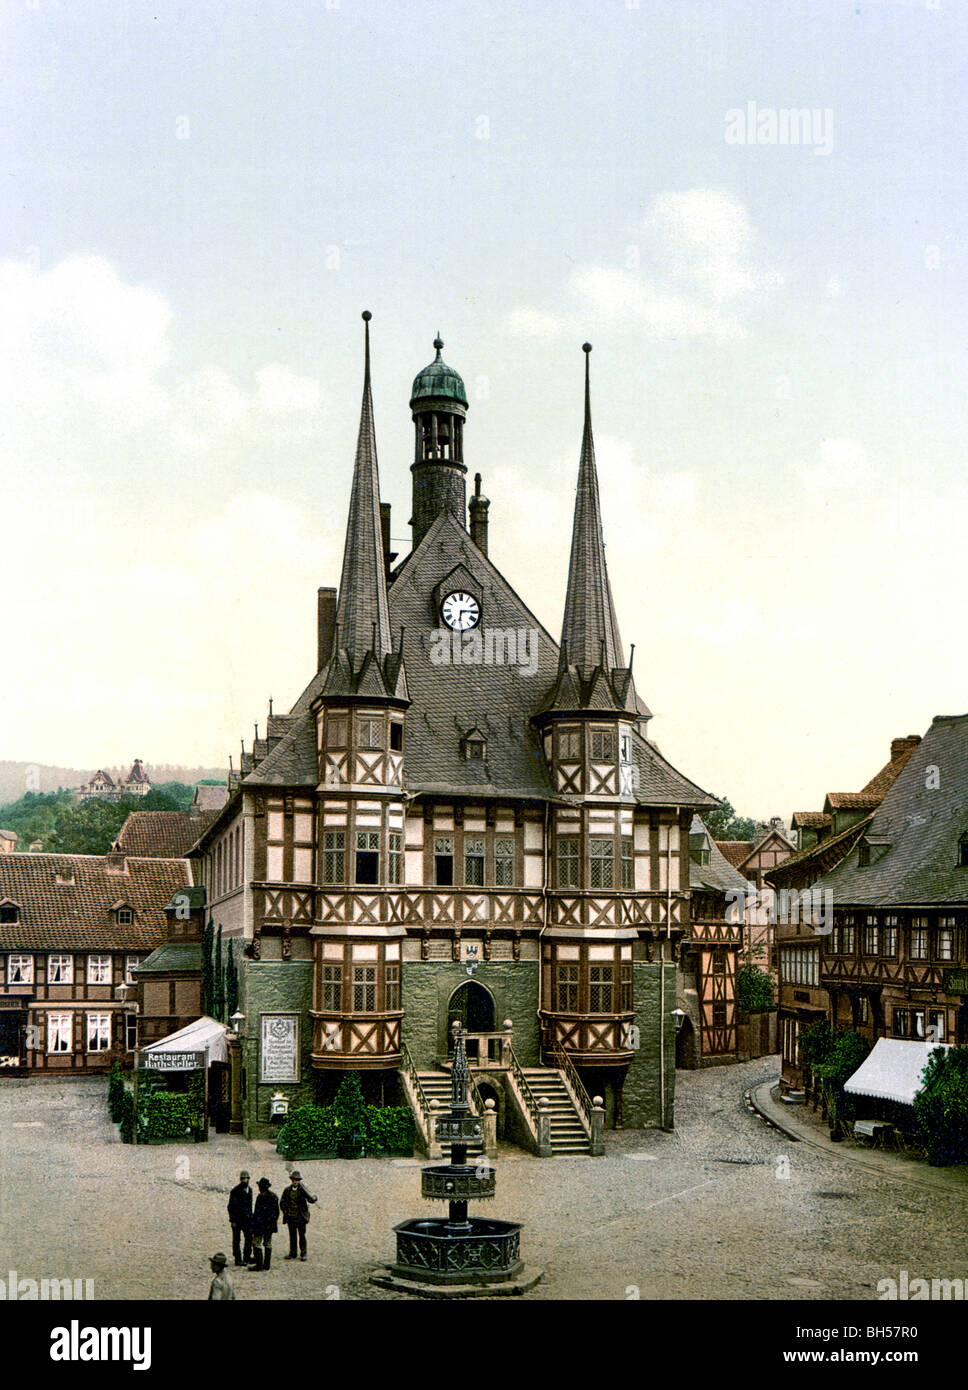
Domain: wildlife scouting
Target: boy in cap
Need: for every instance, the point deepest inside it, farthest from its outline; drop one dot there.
(295, 1213)
(240, 1217)
(221, 1285)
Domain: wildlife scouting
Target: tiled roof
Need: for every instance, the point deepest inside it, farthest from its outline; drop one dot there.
(161, 834)
(735, 851)
(812, 820)
(819, 858)
(916, 830)
(76, 916)
(852, 801)
(880, 784)
(10, 835)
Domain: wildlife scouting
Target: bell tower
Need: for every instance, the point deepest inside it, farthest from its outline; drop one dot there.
(439, 406)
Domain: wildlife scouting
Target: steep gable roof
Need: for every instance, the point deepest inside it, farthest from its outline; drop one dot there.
(161, 834)
(916, 829)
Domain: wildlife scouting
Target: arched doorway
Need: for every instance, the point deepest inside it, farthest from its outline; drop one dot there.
(686, 1046)
(472, 1006)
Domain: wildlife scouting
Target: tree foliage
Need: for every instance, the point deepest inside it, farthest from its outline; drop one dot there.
(941, 1108)
(754, 990)
(724, 824)
(64, 825)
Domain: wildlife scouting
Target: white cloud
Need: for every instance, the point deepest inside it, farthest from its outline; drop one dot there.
(700, 247)
(840, 465)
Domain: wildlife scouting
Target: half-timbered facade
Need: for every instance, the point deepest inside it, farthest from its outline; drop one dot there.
(73, 930)
(459, 819)
(896, 962)
(708, 1031)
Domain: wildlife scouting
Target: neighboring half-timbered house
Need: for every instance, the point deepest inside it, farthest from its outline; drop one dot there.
(460, 819)
(710, 956)
(73, 929)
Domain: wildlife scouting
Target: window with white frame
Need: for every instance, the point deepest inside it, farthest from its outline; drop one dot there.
(131, 964)
(99, 970)
(919, 938)
(125, 917)
(60, 1032)
(800, 965)
(98, 1032)
(20, 970)
(60, 970)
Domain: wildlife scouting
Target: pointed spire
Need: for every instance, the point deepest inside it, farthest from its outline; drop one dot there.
(362, 613)
(589, 633)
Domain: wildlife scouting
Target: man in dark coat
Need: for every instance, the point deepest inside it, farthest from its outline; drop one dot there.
(240, 1216)
(265, 1223)
(295, 1213)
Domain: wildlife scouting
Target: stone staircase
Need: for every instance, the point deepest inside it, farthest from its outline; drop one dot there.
(436, 1086)
(568, 1134)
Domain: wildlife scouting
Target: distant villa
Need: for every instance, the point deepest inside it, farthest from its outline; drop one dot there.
(103, 786)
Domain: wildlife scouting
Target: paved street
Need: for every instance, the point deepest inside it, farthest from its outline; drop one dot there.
(702, 1213)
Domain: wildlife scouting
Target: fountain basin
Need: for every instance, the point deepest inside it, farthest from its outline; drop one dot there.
(432, 1252)
(451, 1182)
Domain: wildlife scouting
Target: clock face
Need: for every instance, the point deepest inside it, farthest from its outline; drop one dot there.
(460, 611)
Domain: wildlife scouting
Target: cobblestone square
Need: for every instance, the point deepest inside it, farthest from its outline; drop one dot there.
(703, 1213)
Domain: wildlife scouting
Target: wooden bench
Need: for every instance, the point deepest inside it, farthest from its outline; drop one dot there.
(878, 1131)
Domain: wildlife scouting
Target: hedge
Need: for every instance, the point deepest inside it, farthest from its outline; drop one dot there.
(941, 1107)
(115, 1092)
(126, 1117)
(372, 1130)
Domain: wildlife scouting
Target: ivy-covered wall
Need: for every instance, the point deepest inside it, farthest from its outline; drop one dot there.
(655, 1056)
(274, 987)
(427, 990)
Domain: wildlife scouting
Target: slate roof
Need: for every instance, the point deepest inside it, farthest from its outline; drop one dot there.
(162, 834)
(207, 798)
(718, 875)
(915, 832)
(76, 916)
(449, 699)
(589, 631)
(171, 958)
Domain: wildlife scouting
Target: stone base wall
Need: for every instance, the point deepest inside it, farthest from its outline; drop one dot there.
(274, 987)
(648, 1096)
(427, 987)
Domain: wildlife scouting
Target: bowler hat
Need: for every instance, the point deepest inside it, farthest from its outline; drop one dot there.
(296, 1174)
(243, 1175)
(219, 1260)
(263, 1184)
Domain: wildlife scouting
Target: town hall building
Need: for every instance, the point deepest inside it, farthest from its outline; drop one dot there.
(460, 820)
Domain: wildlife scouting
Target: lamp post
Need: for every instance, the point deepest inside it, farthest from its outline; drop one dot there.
(234, 1041)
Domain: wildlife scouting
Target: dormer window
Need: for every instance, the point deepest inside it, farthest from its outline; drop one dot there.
(125, 917)
(474, 746)
(963, 851)
(863, 855)
(9, 914)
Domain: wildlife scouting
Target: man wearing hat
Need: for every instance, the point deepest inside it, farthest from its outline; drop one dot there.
(240, 1215)
(221, 1286)
(265, 1223)
(295, 1213)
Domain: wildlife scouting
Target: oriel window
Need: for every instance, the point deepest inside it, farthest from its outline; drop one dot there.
(504, 863)
(334, 856)
(568, 862)
(364, 989)
(600, 989)
(601, 745)
(368, 856)
(332, 988)
(370, 733)
(443, 861)
(569, 745)
(601, 852)
(474, 862)
(395, 865)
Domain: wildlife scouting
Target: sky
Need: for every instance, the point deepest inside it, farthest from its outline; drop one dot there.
(200, 198)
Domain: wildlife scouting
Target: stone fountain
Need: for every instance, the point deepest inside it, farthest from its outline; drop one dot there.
(459, 1256)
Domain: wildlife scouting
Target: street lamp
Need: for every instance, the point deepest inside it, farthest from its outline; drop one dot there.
(680, 1017)
(236, 1021)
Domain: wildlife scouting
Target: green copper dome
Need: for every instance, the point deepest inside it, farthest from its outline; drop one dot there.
(438, 380)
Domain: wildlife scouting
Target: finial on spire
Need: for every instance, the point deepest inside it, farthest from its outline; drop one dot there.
(438, 344)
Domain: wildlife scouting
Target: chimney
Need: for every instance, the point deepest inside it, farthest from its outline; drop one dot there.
(478, 510)
(385, 533)
(325, 625)
(900, 746)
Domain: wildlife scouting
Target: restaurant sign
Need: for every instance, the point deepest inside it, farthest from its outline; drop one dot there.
(171, 1061)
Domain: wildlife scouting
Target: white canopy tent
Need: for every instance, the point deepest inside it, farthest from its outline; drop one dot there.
(203, 1040)
(893, 1070)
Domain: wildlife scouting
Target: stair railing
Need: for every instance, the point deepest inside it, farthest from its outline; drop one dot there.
(575, 1084)
(521, 1081)
(425, 1116)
